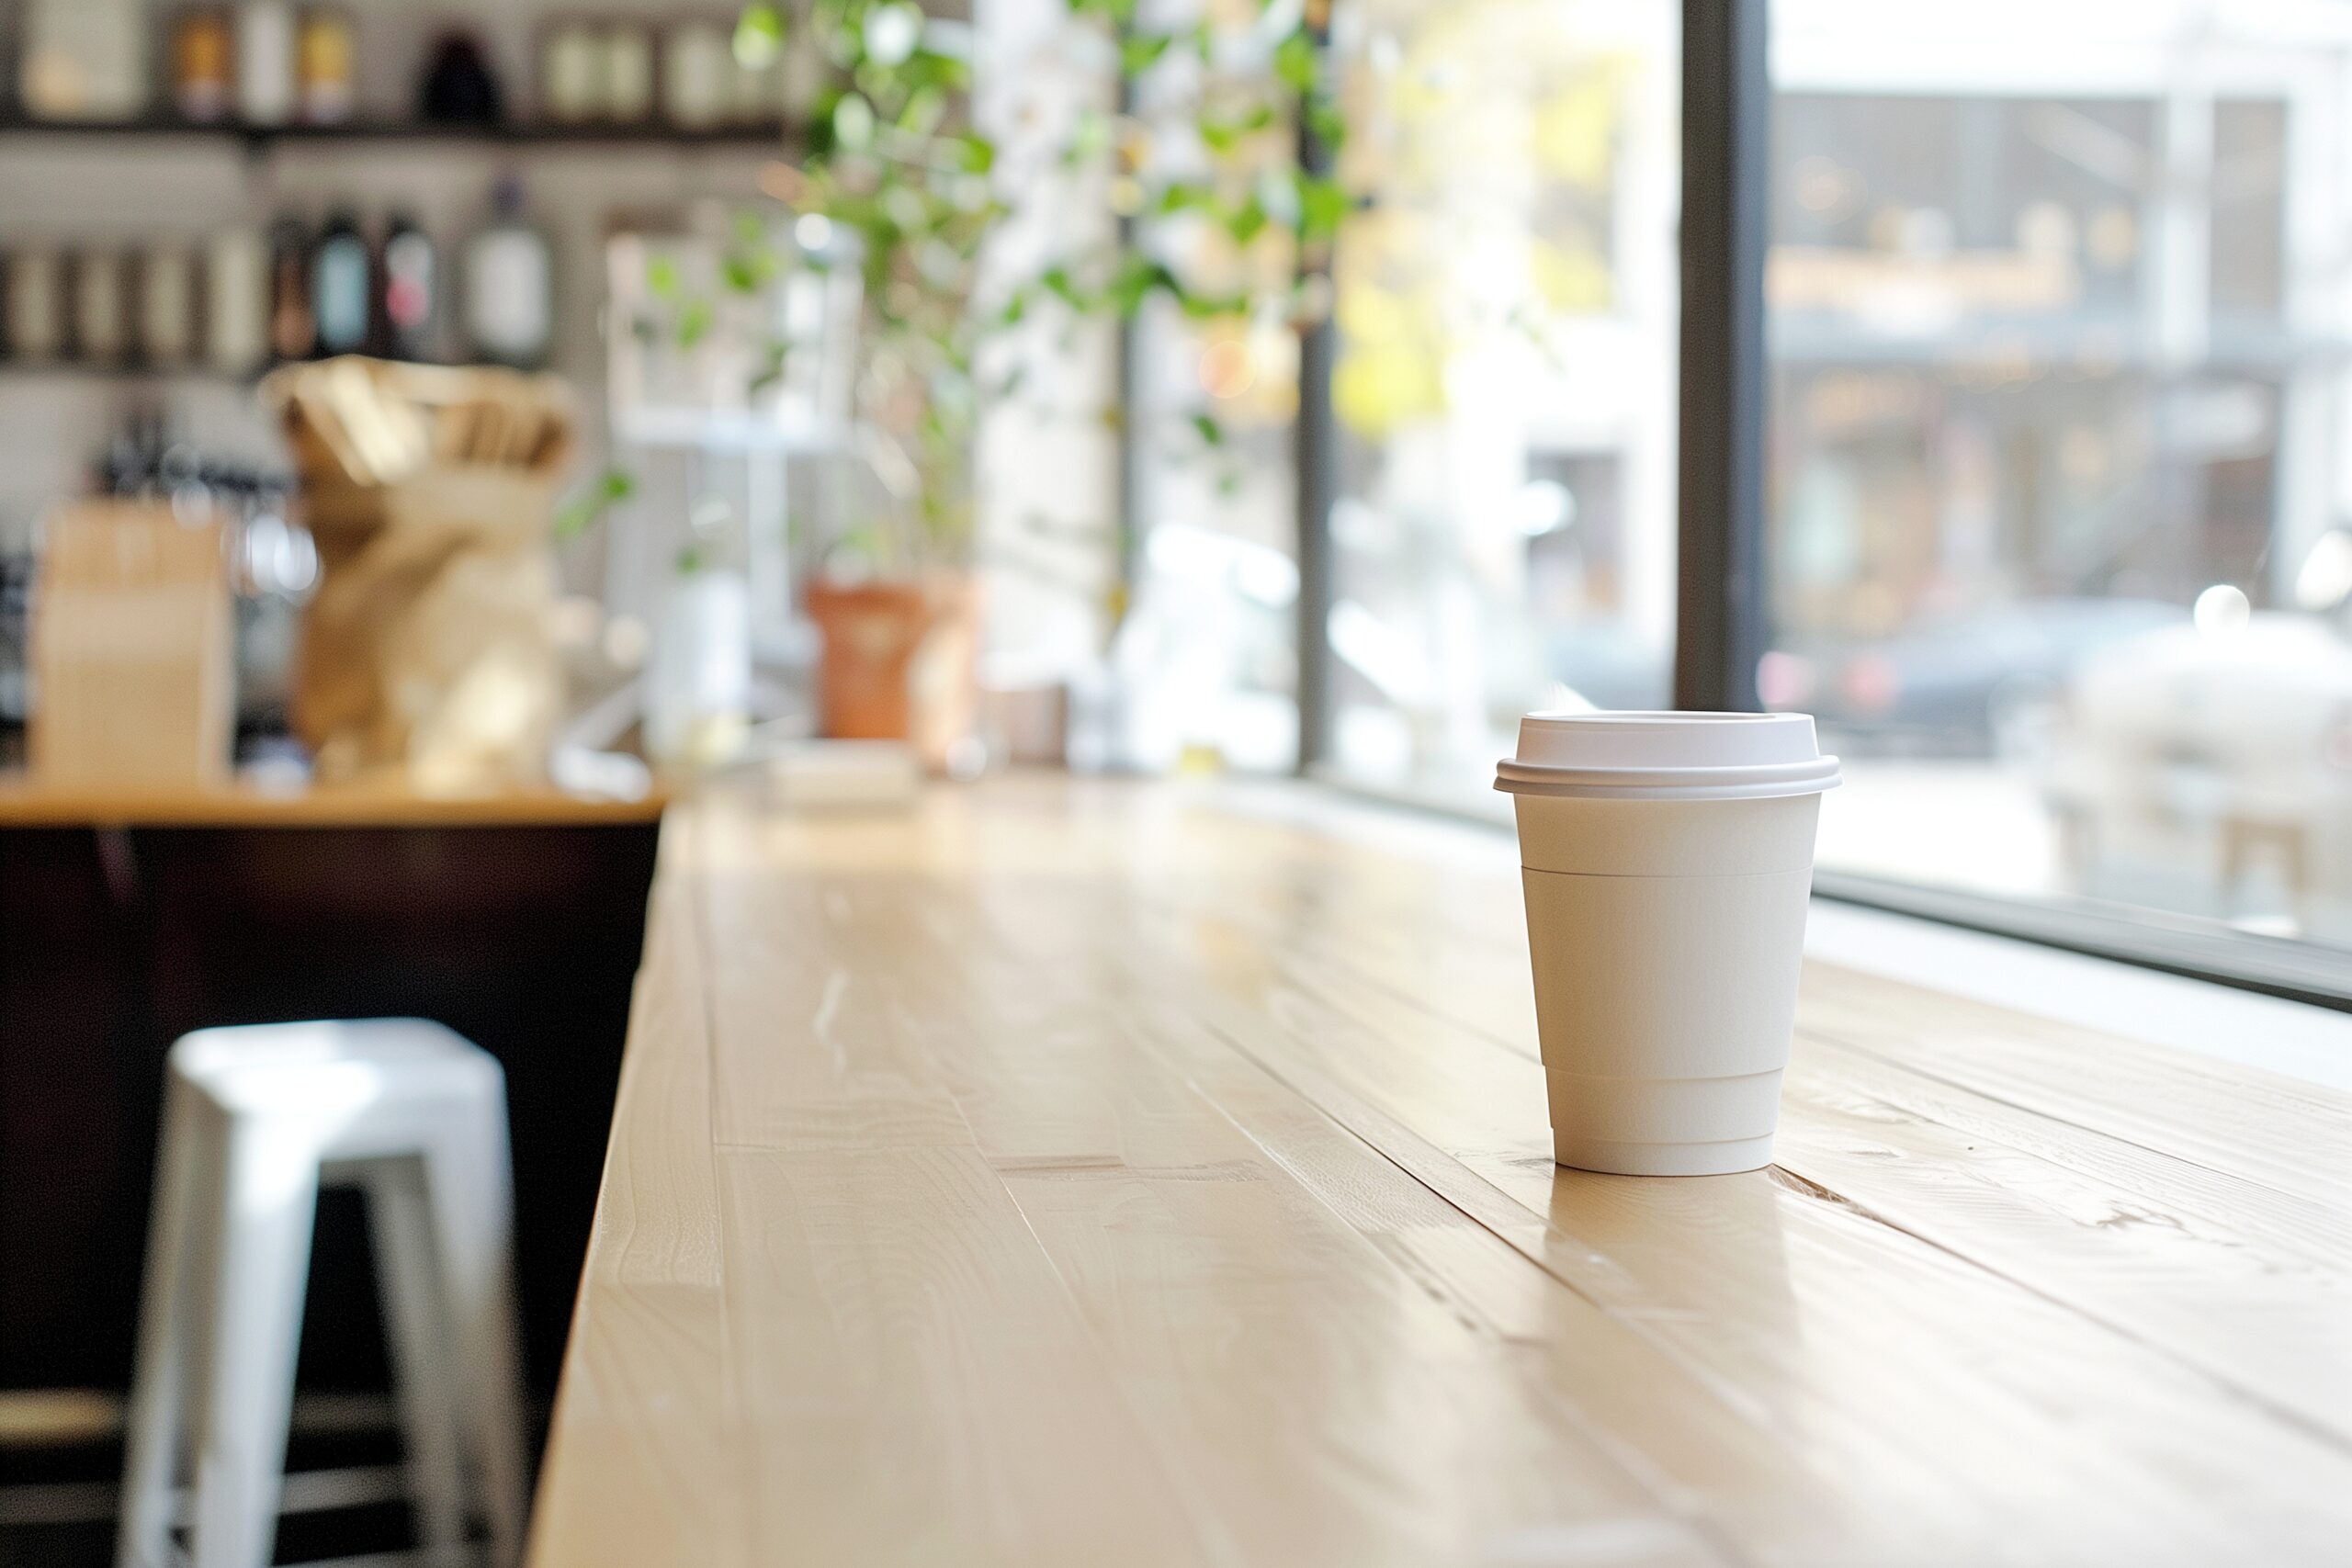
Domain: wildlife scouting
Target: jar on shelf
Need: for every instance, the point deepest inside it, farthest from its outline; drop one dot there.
(83, 59)
(203, 65)
(628, 74)
(572, 73)
(698, 70)
(326, 65)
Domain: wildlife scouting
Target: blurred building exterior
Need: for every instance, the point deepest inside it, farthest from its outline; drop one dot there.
(2059, 299)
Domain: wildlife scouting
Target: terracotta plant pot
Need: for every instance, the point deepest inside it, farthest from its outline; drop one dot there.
(899, 660)
(870, 631)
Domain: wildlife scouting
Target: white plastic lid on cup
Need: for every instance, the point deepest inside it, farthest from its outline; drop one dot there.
(1668, 756)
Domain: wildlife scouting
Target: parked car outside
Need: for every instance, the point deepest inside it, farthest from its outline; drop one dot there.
(1978, 685)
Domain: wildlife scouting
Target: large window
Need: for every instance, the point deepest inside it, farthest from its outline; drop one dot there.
(1503, 536)
(2060, 464)
(2055, 521)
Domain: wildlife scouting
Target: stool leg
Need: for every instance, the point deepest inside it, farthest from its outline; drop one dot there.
(272, 1191)
(408, 1274)
(159, 1386)
(469, 1184)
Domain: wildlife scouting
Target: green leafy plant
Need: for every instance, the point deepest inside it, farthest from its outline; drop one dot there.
(1208, 138)
(1226, 211)
(1220, 145)
(895, 161)
(582, 513)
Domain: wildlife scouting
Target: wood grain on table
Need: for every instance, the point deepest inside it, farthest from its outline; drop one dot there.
(1097, 1173)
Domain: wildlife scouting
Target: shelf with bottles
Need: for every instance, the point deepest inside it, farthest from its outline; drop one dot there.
(259, 73)
(772, 136)
(134, 373)
(233, 302)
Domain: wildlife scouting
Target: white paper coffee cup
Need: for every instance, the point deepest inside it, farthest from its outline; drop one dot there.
(1666, 859)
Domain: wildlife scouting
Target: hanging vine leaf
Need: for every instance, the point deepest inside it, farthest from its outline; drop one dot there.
(1294, 61)
(1322, 204)
(585, 510)
(1178, 195)
(747, 271)
(1138, 53)
(1137, 276)
(1247, 222)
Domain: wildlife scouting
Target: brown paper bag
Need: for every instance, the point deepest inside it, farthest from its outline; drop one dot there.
(426, 650)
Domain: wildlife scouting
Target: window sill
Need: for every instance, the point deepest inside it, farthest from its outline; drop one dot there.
(2159, 996)
(2291, 1038)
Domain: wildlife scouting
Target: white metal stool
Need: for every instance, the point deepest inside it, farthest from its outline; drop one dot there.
(255, 1120)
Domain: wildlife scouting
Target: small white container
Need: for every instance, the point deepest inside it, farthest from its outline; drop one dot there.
(698, 682)
(267, 32)
(1666, 860)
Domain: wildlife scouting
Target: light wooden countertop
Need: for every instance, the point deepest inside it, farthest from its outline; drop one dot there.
(1112, 1174)
(27, 802)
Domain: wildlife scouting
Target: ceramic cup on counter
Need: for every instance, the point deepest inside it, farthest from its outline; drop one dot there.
(1666, 859)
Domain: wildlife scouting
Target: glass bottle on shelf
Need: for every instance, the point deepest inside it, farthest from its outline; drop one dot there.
(236, 301)
(266, 61)
(507, 293)
(341, 290)
(458, 86)
(411, 291)
(36, 306)
(293, 331)
(166, 304)
(99, 335)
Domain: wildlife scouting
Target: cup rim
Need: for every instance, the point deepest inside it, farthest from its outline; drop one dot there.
(1615, 763)
(1656, 716)
(1751, 781)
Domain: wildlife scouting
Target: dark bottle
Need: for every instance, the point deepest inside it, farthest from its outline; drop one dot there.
(342, 287)
(293, 331)
(412, 291)
(459, 87)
